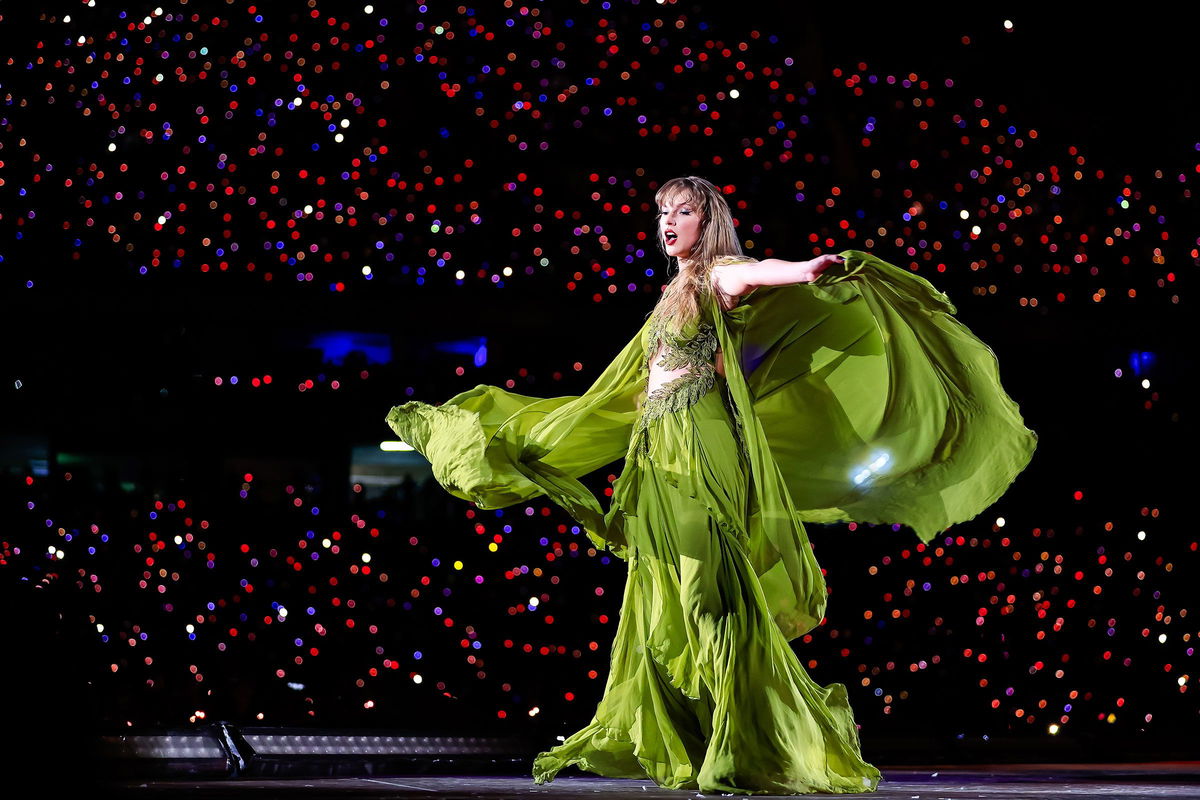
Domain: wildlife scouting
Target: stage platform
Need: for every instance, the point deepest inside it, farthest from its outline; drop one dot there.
(1140, 781)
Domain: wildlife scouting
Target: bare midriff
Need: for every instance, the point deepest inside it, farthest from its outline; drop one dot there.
(660, 376)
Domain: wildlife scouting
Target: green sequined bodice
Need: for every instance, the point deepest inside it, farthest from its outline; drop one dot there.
(694, 348)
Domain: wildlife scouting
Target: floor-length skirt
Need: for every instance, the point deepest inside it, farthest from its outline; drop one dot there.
(704, 692)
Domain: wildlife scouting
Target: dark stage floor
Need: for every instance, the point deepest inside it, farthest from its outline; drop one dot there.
(1009, 781)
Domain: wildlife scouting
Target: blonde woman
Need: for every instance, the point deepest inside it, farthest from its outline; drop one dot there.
(757, 396)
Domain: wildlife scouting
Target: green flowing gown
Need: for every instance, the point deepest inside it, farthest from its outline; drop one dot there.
(855, 397)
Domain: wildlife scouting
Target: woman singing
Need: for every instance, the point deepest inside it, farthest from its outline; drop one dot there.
(757, 396)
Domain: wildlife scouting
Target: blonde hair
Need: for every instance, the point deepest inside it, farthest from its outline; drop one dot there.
(717, 244)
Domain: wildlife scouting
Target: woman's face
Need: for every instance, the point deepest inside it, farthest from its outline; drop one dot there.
(679, 226)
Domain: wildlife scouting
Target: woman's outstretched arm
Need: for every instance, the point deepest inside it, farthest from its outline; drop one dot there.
(738, 279)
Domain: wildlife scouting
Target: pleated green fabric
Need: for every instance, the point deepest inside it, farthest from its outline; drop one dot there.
(855, 397)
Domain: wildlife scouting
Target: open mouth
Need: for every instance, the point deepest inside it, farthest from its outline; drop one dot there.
(670, 237)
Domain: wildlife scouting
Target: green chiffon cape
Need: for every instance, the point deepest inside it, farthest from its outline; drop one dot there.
(859, 398)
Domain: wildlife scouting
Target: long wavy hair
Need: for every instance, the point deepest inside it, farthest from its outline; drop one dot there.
(718, 243)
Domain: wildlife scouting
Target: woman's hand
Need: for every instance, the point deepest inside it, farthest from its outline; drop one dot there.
(816, 266)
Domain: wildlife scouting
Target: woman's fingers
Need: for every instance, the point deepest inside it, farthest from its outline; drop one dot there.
(824, 262)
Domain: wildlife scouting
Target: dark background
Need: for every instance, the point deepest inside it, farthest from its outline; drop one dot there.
(110, 374)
